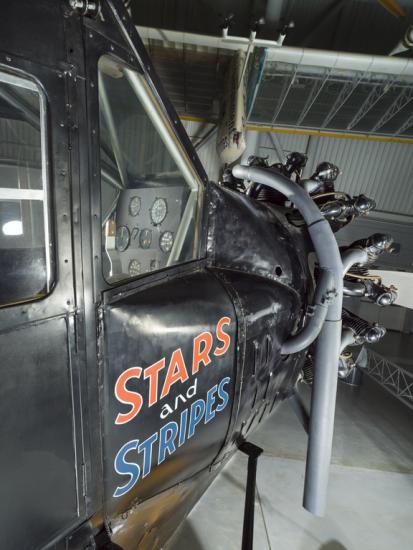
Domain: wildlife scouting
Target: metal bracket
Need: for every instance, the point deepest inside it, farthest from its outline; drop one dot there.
(88, 8)
(253, 452)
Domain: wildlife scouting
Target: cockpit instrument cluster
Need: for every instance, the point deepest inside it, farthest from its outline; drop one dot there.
(147, 221)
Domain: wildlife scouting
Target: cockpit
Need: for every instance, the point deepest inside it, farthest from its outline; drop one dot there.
(149, 196)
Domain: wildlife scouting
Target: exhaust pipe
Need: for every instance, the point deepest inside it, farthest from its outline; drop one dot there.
(323, 399)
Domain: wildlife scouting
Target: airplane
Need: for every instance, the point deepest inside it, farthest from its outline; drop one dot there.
(150, 319)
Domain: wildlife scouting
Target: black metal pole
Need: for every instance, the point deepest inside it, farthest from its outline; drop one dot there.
(253, 453)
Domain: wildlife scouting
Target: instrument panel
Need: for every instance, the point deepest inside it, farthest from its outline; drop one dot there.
(147, 220)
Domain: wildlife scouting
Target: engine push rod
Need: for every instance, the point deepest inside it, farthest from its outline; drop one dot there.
(323, 398)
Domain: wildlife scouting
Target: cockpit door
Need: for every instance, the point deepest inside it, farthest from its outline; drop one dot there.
(168, 328)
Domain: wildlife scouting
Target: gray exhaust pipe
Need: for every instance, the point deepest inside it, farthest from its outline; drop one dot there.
(323, 400)
(323, 397)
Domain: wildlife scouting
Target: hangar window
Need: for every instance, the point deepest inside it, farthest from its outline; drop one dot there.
(24, 226)
(150, 193)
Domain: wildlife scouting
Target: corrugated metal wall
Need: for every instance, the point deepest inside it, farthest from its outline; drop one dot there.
(380, 170)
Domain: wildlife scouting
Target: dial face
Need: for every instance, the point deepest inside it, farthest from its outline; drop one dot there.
(154, 265)
(166, 241)
(159, 210)
(134, 268)
(134, 206)
(145, 238)
(122, 238)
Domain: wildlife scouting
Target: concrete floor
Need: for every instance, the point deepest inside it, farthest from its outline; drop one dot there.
(370, 494)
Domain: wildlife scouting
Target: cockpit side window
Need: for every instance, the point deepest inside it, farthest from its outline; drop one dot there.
(24, 219)
(150, 193)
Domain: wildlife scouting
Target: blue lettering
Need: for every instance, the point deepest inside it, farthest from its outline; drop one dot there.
(210, 400)
(126, 468)
(167, 435)
(182, 427)
(223, 394)
(197, 412)
(146, 446)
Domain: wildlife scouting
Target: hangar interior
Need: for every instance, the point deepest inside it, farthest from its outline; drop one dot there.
(206, 306)
(358, 114)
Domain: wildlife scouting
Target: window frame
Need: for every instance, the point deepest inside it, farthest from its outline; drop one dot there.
(149, 99)
(24, 81)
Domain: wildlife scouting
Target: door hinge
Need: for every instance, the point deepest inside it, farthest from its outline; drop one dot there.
(89, 8)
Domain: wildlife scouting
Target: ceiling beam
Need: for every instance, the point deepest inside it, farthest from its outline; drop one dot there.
(405, 126)
(378, 91)
(342, 97)
(404, 97)
(316, 89)
(297, 56)
(283, 96)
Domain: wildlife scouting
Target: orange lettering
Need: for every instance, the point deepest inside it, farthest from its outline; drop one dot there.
(176, 371)
(128, 397)
(152, 372)
(201, 355)
(222, 336)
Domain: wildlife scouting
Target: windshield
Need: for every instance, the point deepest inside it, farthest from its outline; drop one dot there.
(150, 194)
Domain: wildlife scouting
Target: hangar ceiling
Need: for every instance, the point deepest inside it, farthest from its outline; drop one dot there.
(335, 100)
(362, 26)
(306, 106)
(374, 98)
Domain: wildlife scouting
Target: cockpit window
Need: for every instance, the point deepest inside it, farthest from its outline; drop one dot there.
(150, 194)
(24, 224)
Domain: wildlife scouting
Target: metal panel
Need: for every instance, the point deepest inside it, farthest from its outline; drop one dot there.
(38, 455)
(153, 326)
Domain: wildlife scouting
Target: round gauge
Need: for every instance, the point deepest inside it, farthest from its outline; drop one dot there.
(134, 268)
(134, 206)
(159, 210)
(166, 241)
(122, 238)
(145, 238)
(154, 265)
